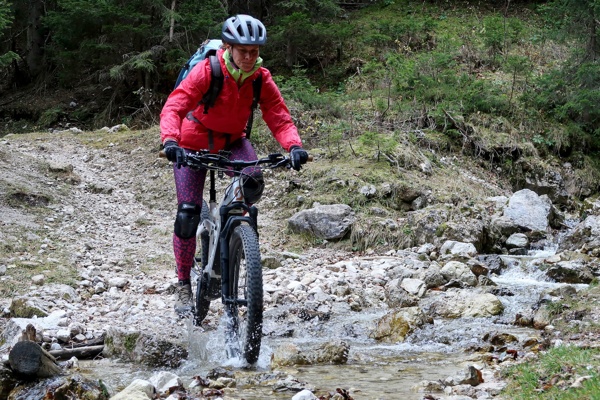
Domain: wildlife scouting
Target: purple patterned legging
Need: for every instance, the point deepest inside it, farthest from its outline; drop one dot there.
(189, 184)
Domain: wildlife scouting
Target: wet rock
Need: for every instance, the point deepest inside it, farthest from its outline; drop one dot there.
(335, 353)
(524, 319)
(492, 262)
(165, 381)
(477, 268)
(501, 339)
(453, 248)
(564, 292)
(63, 387)
(8, 381)
(529, 211)
(463, 303)
(517, 240)
(459, 271)
(469, 376)
(520, 251)
(287, 355)
(398, 324)
(531, 341)
(289, 383)
(570, 272)
(305, 395)
(143, 348)
(139, 389)
(542, 317)
(485, 281)
(429, 386)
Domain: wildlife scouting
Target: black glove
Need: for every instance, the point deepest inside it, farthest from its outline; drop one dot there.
(174, 153)
(298, 156)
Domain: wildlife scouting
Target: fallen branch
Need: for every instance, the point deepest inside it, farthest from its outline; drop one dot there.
(85, 352)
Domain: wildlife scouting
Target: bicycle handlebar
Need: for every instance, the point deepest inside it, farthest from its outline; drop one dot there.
(204, 159)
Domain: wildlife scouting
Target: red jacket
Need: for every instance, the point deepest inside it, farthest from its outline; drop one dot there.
(183, 119)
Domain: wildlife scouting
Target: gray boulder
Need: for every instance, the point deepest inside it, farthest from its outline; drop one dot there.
(464, 303)
(529, 211)
(584, 237)
(324, 221)
(144, 349)
(459, 271)
(517, 240)
(575, 271)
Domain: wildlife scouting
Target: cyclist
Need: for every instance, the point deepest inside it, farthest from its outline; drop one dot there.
(185, 126)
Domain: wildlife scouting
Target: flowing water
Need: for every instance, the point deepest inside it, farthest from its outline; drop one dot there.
(376, 370)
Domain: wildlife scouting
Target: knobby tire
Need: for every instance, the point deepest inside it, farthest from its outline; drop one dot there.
(245, 282)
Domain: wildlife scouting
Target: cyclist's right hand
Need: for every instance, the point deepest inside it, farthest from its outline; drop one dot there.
(174, 153)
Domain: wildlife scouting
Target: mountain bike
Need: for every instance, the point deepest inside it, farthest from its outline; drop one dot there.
(227, 262)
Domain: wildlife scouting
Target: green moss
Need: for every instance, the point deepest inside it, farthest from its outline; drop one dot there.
(439, 231)
(131, 341)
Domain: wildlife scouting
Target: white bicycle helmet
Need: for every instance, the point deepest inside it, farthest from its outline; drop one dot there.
(244, 29)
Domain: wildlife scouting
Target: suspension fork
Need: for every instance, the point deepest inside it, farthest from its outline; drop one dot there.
(212, 226)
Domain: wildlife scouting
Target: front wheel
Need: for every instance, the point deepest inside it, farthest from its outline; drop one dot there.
(245, 308)
(202, 300)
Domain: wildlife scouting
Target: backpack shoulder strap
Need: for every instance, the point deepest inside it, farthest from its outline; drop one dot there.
(216, 83)
(256, 88)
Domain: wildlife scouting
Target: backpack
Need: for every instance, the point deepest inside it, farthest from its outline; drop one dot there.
(208, 49)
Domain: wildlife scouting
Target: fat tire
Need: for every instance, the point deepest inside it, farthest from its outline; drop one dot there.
(202, 303)
(245, 282)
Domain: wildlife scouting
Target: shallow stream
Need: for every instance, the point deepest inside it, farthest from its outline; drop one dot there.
(374, 370)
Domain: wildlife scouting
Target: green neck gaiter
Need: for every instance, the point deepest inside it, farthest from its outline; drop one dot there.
(237, 74)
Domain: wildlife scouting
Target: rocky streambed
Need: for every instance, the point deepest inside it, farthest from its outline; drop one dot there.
(438, 319)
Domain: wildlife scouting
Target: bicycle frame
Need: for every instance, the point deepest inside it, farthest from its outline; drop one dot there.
(224, 217)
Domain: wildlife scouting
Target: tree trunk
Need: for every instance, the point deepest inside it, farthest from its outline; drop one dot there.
(172, 24)
(29, 359)
(291, 56)
(593, 42)
(35, 40)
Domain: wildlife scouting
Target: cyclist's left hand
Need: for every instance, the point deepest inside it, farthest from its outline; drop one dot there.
(298, 156)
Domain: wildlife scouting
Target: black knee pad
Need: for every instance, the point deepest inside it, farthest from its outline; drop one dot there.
(187, 220)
